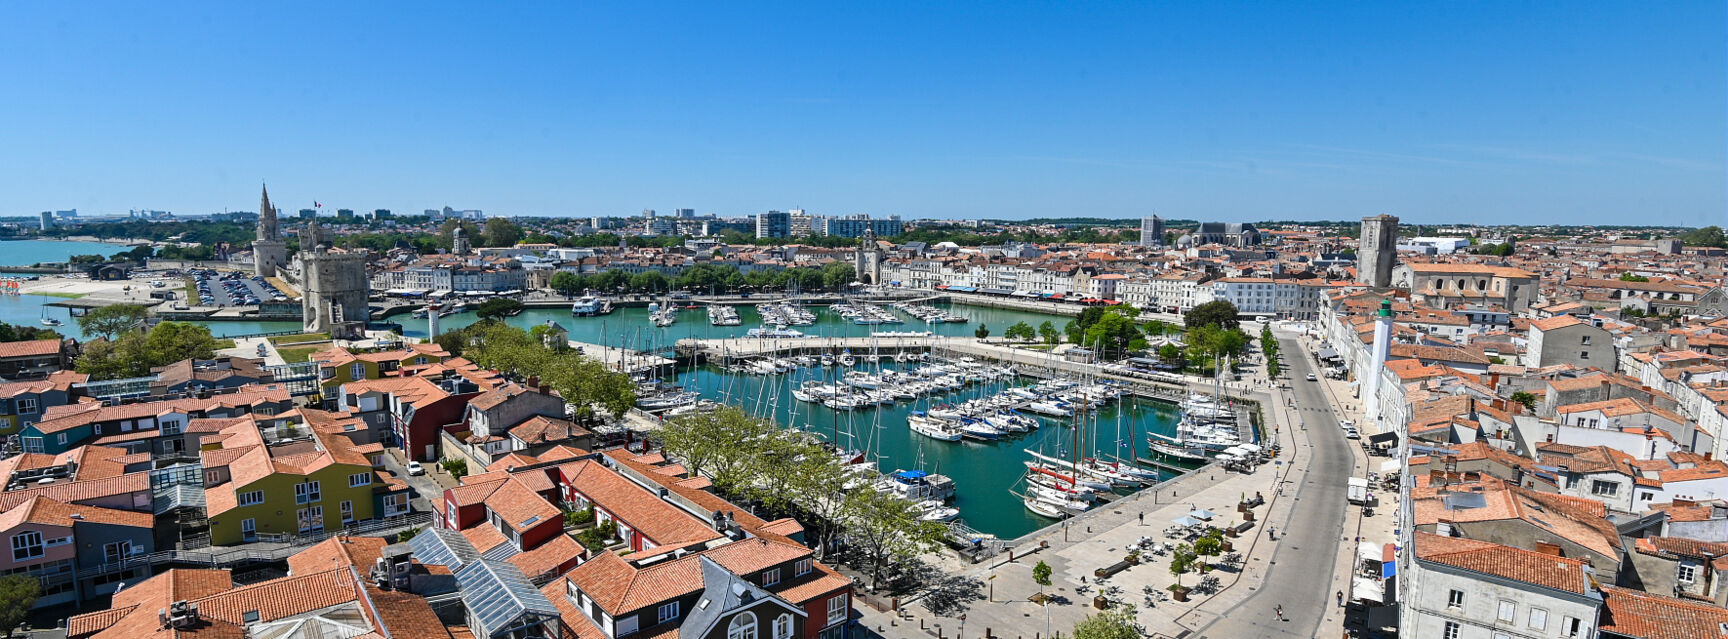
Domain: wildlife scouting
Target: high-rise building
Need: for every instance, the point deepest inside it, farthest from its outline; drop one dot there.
(856, 225)
(686, 213)
(269, 251)
(308, 214)
(774, 224)
(1377, 251)
(806, 225)
(1152, 231)
(47, 220)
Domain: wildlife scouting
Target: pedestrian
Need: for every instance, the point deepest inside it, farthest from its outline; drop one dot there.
(1142, 517)
(1279, 609)
(1340, 599)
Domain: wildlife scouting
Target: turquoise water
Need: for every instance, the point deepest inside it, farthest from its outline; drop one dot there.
(983, 472)
(27, 252)
(630, 326)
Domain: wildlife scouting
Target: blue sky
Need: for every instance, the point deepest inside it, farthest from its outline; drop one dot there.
(1459, 111)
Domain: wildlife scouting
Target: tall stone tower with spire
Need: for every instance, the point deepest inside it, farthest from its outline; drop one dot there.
(269, 251)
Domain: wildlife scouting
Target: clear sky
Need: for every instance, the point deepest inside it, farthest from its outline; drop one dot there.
(1600, 112)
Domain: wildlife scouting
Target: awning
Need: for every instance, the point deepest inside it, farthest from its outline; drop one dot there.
(997, 291)
(1056, 296)
(1389, 561)
(1326, 352)
(894, 283)
(1366, 589)
(1185, 521)
(1368, 551)
(1202, 514)
(1383, 438)
(1390, 466)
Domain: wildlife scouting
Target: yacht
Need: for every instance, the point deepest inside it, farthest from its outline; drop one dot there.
(778, 331)
(933, 428)
(589, 306)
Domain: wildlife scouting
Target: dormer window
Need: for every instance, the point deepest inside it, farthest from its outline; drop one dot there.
(667, 612)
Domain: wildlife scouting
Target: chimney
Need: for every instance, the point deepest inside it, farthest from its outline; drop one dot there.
(1549, 549)
(533, 381)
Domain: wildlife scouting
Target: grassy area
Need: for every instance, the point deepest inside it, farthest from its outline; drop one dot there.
(222, 344)
(301, 338)
(70, 296)
(191, 289)
(296, 355)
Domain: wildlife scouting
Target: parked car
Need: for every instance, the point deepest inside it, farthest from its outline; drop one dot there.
(415, 469)
(1311, 377)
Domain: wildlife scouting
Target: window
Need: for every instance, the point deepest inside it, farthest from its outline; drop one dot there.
(1508, 611)
(310, 519)
(359, 479)
(1538, 619)
(26, 406)
(395, 505)
(743, 626)
(116, 551)
(1583, 354)
(837, 609)
(1455, 599)
(347, 512)
(1584, 340)
(1686, 572)
(255, 497)
(783, 626)
(357, 371)
(1451, 631)
(1571, 627)
(170, 427)
(308, 492)
(249, 529)
(1603, 488)
(770, 577)
(32, 444)
(60, 438)
(667, 612)
(1502, 635)
(26, 545)
(803, 568)
(250, 616)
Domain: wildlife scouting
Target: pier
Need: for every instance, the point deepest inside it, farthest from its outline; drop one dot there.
(624, 360)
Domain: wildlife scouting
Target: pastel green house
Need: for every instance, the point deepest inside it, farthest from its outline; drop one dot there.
(256, 489)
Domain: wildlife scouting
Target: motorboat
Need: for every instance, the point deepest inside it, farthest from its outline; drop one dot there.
(778, 331)
(932, 510)
(917, 485)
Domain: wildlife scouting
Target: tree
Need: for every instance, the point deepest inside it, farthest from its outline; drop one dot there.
(1525, 398)
(1041, 575)
(1047, 330)
(583, 381)
(498, 308)
(837, 274)
(1628, 277)
(1707, 236)
(1169, 353)
(650, 282)
(446, 232)
(1113, 334)
(136, 352)
(1218, 313)
(1181, 561)
(109, 321)
(886, 528)
(22, 333)
(719, 444)
(1208, 546)
(17, 594)
(1115, 623)
(500, 232)
(1021, 331)
(983, 331)
(566, 282)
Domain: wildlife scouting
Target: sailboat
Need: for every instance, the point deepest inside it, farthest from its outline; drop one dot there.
(49, 321)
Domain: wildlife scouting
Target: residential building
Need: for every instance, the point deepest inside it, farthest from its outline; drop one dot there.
(773, 224)
(155, 427)
(23, 403)
(1565, 339)
(856, 225)
(67, 546)
(1447, 286)
(32, 359)
(1463, 589)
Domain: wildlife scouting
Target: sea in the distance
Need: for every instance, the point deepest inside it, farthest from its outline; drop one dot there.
(27, 252)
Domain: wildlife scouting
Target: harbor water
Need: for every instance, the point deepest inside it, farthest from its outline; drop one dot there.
(28, 252)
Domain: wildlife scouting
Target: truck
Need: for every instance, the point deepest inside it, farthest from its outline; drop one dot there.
(1358, 492)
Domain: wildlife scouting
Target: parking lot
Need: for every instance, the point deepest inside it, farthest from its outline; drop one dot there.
(232, 289)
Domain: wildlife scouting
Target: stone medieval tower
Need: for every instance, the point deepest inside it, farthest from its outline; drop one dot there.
(269, 251)
(334, 287)
(867, 260)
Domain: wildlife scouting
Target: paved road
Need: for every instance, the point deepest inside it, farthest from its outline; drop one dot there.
(1313, 538)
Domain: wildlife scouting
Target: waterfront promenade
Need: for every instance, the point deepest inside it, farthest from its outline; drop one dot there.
(1298, 568)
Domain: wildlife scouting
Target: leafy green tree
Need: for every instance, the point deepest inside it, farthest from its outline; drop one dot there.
(109, 321)
(718, 444)
(650, 282)
(888, 529)
(1628, 277)
(446, 232)
(1047, 331)
(1041, 576)
(581, 380)
(612, 280)
(500, 232)
(1114, 623)
(136, 352)
(1021, 330)
(837, 274)
(22, 333)
(1707, 236)
(498, 308)
(17, 594)
(1113, 334)
(1181, 561)
(983, 331)
(1169, 353)
(1218, 313)
(1075, 334)
(1525, 398)
(566, 282)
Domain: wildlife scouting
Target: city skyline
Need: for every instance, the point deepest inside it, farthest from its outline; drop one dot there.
(1469, 114)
